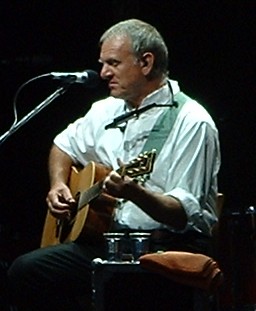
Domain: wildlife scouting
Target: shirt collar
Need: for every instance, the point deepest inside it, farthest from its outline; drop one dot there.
(161, 96)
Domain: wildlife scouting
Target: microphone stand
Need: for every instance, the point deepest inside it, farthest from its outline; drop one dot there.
(61, 90)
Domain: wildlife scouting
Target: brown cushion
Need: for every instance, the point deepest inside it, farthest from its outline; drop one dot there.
(191, 269)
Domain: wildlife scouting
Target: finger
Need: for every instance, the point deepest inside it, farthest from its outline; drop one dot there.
(58, 212)
(120, 162)
(104, 184)
(122, 167)
(55, 205)
(66, 196)
(115, 177)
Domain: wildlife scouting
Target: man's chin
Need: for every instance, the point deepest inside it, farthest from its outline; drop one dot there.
(116, 94)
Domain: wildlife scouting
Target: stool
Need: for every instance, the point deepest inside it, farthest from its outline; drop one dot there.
(123, 286)
(196, 270)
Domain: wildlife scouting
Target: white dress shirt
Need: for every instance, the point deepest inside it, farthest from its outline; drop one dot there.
(186, 167)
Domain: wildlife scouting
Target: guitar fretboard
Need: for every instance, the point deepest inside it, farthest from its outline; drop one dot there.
(91, 193)
(142, 165)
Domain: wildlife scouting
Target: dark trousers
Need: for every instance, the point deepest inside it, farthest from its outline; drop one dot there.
(57, 277)
(53, 278)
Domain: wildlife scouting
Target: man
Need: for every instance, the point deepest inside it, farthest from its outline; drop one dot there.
(178, 199)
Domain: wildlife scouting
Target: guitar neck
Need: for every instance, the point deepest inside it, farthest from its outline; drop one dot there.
(93, 192)
(142, 165)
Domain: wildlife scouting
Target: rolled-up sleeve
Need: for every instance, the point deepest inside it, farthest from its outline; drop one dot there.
(193, 174)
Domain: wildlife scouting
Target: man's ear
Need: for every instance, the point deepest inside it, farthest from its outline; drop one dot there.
(147, 62)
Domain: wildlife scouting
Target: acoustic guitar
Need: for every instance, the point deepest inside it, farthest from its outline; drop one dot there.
(93, 211)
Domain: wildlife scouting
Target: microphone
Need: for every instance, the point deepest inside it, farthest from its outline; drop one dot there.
(134, 113)
(88, 77)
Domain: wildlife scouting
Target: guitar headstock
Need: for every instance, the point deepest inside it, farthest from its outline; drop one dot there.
(143, 164)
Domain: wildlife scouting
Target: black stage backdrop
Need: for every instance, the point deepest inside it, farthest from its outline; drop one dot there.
(211, 47)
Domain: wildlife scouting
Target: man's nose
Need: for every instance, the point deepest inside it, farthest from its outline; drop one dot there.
(105, 72)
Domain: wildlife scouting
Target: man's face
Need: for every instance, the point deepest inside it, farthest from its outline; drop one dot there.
(122, 70)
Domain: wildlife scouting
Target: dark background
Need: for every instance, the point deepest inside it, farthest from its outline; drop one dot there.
(212, 53)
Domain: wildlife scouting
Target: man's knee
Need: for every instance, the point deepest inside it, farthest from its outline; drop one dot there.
(18, 271)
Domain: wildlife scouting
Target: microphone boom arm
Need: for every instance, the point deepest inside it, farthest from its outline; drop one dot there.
(61, 90)
(134, 113)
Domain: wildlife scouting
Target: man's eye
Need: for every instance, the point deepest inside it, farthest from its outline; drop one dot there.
(114, 63)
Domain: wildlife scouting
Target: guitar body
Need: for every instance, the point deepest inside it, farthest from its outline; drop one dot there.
(94, 210)
(89, 220)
